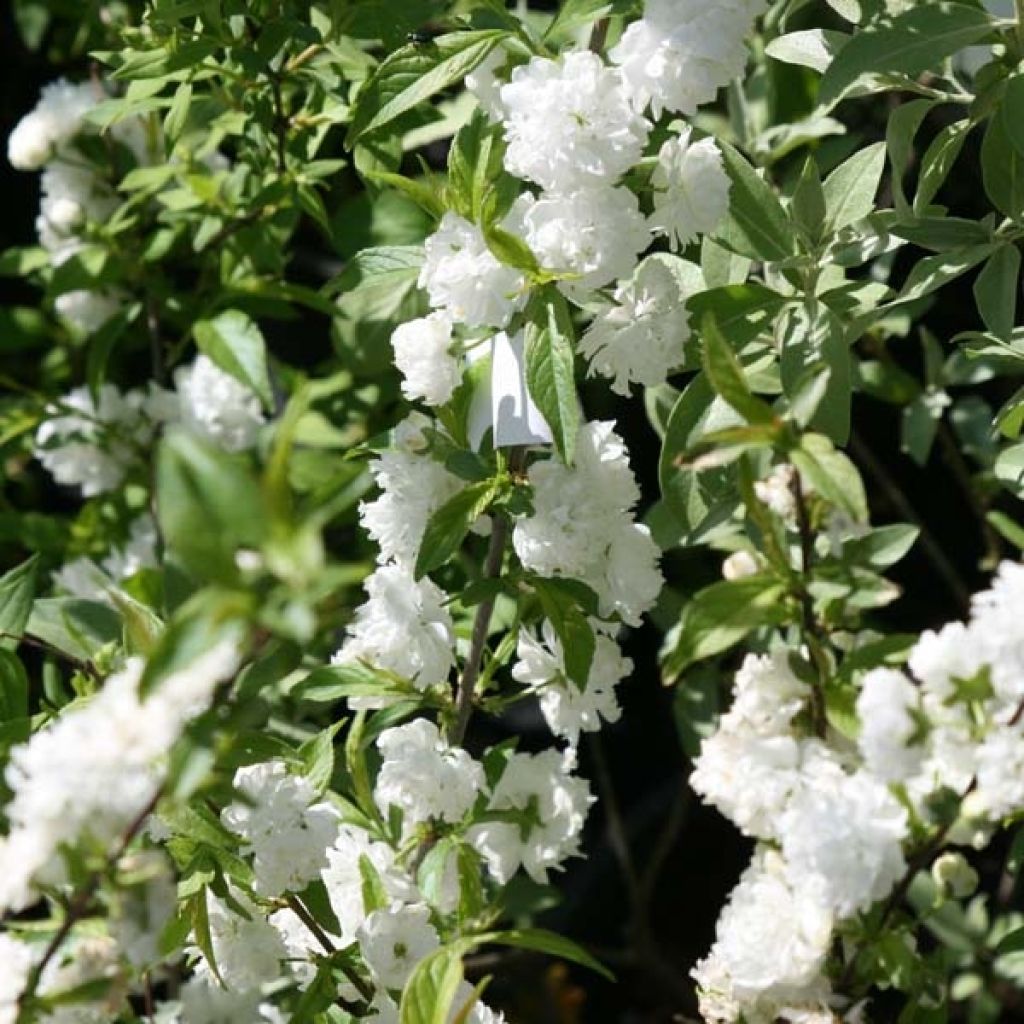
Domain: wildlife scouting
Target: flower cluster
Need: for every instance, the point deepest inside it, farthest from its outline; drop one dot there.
(94, 442)
(835, 822)
(74, 192)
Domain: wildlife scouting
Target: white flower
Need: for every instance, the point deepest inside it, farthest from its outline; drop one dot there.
(997, 628)
(422, 355)
(91, 445)
(569, 123)
(403, 627)
(771, 942)
(286, 829)
(640, 339)
(682, 52)
(205, 1001)
(394, 940)
(216, 406)
(846, 832)
(82, 577)
(1000, 790)
(691, 189)
(485, 85)
(603, 548)
(413, 486)
(343, 879)
(885, 707)
(71, 195)
(248, 950)
(87, 311)
(555, 803)
(464, 278)
(748, 778)
(17, 959)
(568, 709)
(776, 491)
(114, 747)
(423, 776)
(768, 695)
(55, 119)
(593, 233)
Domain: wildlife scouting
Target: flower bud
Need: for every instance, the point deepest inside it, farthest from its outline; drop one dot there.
(739, 565)
(954, 876)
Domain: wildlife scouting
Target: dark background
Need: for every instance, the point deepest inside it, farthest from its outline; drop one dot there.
(699, 853)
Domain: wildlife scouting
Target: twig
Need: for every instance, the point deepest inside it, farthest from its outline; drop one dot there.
(280, 123)
(478, 638)
(298, 908)
(598, 36)
(813, 635)
(79, 905)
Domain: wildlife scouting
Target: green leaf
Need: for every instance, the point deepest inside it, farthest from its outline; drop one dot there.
(808, 203)
(883, 546)
(914, 41)
(13, 687)
(900, 131)
(236, 345)
(543, 941)
(208, 505)
(1009, 469)
(830, 473)
(447, 527)
(348, 679)
(1011, 943)
(550, 370)
(201, 625)
(811, 48)
(1011, 112)
(935, 272)
(1009, 530)
(573, 630)
(1002, 170)
(742, 311)
(415, 73)
(318, 755)
(726, 376)
(17, 592)
(995, 291)
(938, 161)
(430, 992)
(720, 616)
(74, 626)
(757, 226)
(851, 188)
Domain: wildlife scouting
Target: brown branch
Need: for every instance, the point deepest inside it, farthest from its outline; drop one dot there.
(481, 624)
(81, 901)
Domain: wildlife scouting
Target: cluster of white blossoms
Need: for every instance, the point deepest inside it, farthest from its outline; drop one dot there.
(605, 548)
(292, 837)
(114, 746)
(85, 578)
(93, 442)
(833, 818)
(74, 193)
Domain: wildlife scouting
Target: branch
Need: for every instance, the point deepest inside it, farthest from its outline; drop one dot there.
(481, 624)
(80, 902)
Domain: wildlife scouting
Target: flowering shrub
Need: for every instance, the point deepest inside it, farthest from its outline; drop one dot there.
(318, 458)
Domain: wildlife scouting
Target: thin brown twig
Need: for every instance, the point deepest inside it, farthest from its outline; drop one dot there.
(478, 637)
(80, 902)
